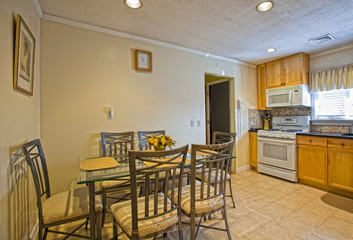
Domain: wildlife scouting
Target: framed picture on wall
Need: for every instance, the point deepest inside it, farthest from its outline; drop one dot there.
(25, 44)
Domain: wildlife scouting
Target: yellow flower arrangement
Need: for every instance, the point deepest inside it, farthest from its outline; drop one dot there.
(160, 142)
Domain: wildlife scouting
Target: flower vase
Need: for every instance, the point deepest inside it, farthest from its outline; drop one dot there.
(159, 148)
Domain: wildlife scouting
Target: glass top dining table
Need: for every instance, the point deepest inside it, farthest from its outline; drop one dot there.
(89, 177)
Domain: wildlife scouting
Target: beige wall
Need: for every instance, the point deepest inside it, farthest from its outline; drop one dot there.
(339, 57)
(20, 113)
(83, 71)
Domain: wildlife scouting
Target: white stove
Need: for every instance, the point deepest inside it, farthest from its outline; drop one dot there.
(277, 147)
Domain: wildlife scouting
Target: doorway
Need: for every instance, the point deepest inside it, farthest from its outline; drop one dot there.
(219, 105)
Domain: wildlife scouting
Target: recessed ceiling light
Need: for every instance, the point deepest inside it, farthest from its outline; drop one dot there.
(264, 6)
(133, 3)
(271, 50)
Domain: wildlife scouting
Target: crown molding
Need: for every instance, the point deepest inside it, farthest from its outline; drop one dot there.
(38, 8)
(57, 19)
(332, 51)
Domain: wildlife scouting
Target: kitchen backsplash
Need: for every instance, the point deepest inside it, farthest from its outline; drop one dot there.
(256, 118)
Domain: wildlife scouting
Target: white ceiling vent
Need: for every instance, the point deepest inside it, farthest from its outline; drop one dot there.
(321, 39)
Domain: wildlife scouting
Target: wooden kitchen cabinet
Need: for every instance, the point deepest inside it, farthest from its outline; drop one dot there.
(288, 71)
(327, 162)
(340, 164)
(312, 163)
(253, 149)
(274, 74)
(261, 87)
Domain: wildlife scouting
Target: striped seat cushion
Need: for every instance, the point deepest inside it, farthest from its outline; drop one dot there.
(201, 206)
(67, 205)
(122, 214)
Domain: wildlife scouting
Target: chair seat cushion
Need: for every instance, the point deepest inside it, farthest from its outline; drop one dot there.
(122, 213)
(213, 177)
(201, 206)
(68, 205)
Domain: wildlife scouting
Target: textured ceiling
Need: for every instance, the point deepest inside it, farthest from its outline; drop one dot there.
(227, 28)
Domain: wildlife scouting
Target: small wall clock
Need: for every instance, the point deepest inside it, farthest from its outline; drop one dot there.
(143, 60)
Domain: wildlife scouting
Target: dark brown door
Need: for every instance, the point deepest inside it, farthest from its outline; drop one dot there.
(219, 108)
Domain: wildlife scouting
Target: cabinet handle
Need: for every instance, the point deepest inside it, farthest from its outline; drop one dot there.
(342, 144)
(310, 140)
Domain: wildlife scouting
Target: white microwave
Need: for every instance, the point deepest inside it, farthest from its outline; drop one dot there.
(291, 96)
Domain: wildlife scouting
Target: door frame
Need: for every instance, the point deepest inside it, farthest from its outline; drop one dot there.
(231, 104)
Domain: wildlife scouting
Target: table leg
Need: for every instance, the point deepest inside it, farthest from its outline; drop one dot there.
(92, 210)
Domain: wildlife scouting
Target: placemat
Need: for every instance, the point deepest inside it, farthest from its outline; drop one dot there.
(98, 163)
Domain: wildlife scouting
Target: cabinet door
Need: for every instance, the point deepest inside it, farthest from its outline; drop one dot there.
(274, 74)
(340, 169)
(253, 149)
(296, 69)
(312, 163)
(261, 87)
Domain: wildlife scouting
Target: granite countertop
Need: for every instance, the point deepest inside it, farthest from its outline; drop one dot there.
(255, 129)
(323, 134)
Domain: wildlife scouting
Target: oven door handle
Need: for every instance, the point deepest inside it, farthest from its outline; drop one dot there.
(286, 141)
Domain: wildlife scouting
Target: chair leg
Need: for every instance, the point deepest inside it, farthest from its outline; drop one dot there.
(231, 192)
(104, 201)
(198, 227)
(40, 232)
(99, 225)
(115, 230)
(180, 230)
(226, 222)
(45, 233)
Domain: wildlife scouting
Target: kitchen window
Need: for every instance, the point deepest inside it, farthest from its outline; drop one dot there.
(332, 105)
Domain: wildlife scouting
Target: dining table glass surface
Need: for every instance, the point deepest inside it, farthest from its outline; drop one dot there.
(122, 170)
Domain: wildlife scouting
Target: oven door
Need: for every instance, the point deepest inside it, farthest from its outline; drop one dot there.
(277, 152)
(278, 99)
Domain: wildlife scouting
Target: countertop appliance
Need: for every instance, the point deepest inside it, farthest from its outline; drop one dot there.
(291, 96)
(277, 147)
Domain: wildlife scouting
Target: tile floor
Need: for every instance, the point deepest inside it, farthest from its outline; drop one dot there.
(270, 208)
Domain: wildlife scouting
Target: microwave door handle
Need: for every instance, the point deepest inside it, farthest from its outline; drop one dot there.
(290, 97)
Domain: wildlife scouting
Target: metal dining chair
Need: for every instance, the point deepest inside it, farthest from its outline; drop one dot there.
(223, 137)
(205, 197)
(116, 144)
(61, 208)
(145, 135)
(154, 213)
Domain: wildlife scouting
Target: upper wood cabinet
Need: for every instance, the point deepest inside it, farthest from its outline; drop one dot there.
(261, 87)
(274, 74)
(288, 71)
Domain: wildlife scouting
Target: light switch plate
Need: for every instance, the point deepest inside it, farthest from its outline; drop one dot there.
(192, 123)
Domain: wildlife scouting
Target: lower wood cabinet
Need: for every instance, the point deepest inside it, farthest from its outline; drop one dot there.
(253, 149)
(340, 169)
(312, 163)
(326, 161)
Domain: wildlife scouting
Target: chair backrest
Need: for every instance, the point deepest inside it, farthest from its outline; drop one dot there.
(145, 135)
(222, 137)
(34, 154)
(211, 170)
(117, 144)
(162, 172)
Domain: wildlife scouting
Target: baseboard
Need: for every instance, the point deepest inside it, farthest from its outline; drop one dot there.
(243, 169)
(34, 233)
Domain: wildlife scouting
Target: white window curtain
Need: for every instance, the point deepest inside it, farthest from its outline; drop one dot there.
(333, 78)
